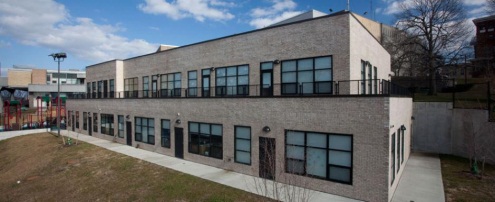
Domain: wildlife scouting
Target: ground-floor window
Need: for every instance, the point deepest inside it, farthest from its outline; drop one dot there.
(95, 122)
(319, 155)
(165, 141)
(120, 133)
(206, 139)
(145, 130)
(77, 119)
(243, 145)
(107, 124)
(85, 120)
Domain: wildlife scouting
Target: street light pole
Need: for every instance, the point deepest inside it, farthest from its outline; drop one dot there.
(59, 57)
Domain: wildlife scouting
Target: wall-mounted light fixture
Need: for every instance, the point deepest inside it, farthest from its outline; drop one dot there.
(403, 127)
(212, 68)
(276, 62)
(178, 121)
(266, 129)
(128, 117)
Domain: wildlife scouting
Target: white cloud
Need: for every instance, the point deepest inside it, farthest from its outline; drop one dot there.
(393, 5)
(280, 10)
(197, 9)
(47, 23)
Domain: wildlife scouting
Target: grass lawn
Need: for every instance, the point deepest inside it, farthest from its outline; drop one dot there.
(49, 172)
(460, 185)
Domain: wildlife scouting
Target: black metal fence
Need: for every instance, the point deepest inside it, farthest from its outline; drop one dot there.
(326, 88)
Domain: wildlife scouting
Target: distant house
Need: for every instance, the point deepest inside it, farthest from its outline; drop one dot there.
(43, 82)
(308, 99)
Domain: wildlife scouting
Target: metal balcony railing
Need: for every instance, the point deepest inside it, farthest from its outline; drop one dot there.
(325, 88)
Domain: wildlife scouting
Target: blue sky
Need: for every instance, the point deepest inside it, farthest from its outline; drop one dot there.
(94, 31)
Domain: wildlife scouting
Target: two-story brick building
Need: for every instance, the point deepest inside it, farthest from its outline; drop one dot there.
(312, 93)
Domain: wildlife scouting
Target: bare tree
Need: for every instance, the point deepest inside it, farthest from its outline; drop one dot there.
(437, 26)
(491, 6)
(277, 184)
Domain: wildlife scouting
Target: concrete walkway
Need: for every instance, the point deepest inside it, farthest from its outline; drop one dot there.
(421, 180)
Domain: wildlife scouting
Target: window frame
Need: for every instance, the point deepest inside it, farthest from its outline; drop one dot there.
(327, 151)
(175, 91)
(112, 88)
(190, 134)
(392, 152)
(223, 90)
(148, 127)
(300, 86)
(250, 144)
(85, 120)
(131, 87)
(192, 91)
(105, 119)
(146, 86)
(77, 119)
(120, 126)
(95, 122)
(162, 135)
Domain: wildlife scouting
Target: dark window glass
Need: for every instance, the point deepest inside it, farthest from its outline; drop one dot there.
(170, 85)
(131, 87)
(77, 119)
(112, 88)
(85, 121)
(206, 139)
(95, 122)
(232, 80)
(146, 86)
(307, 76)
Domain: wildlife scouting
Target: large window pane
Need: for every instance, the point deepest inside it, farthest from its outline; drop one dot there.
(288, 66)
(340, 142)
(323, 63)
(243, 157)
(340, 174)
(316, 162)
(317, 140)
(295, 138)
(323, 75)
(306, 64)
(295, 152)
(339, 158)
(244, 145)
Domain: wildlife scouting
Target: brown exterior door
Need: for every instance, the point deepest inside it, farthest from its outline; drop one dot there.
(267, 158)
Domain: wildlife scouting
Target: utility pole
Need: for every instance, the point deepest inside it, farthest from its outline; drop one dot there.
(59, 57)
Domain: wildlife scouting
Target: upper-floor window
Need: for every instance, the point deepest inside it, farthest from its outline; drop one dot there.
(100, 89)
(94, 89)
(131, 87)
(170, 85)
(192, 83)
(232, 80)
(375, 80)
(88, 90)
(363, 76)
(105, 88)
(307, 76)
(319, 155)
(146, 86)
(112, 88)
